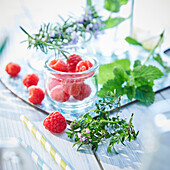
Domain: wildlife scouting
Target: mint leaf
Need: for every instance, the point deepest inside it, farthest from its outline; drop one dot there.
(88, 2)
(106, 70)
(119, 92)
(112, 5)
(147, 72)
(132, 41)
(130, 91)
(158, 58)
(145, 94)
(143, 81)
(112, 22)
(123, 2)
(110, 85)
(137, 63)
(120, 75)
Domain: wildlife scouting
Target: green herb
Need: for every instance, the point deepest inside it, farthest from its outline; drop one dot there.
(113, 6)
(88, 2)
(157, 45)
(3, 44)
(136, 83)
(156, 56)
(132, 41)
(112, 22)
(74, 31)
(90, 131)
(70, 32)
(106, 70)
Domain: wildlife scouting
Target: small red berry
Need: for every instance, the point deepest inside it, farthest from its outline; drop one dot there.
(85, 92)
(12, 69)
(30, 79)
(72, 62)
(36, 95)
(58, 94)
(83, 66)
(55, 122)
(53, 82)
(72, 88)
(58, 65)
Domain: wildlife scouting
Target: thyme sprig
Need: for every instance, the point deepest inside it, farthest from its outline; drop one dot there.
(90, 131)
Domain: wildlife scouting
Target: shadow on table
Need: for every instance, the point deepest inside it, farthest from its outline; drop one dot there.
(129, 156)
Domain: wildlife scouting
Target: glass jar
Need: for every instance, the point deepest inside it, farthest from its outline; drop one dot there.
(72, 90)
(110, 45)
(36, 59)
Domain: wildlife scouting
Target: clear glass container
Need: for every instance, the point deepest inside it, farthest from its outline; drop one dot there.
(72, 90)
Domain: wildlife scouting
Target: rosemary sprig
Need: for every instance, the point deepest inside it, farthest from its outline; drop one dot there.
(90, 131)
(43, 45)
(70, 32)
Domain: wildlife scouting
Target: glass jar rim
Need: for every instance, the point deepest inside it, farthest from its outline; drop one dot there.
(92, 69)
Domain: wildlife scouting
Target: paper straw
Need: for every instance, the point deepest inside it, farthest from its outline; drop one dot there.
(36, 158)
(45, 144)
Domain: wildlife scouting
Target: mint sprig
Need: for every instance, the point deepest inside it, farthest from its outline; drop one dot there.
(114, 6)
(155, 56)
(135, 83)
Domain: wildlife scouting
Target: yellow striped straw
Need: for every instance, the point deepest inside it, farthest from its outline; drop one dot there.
(45, 144)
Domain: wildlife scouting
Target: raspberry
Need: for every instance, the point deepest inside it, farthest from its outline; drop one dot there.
(30, 79)
(55, 122)
(12, 69)
(58, 94)
(72, 62)
(85, 92)
(58, 65)
(83, 66)
(53, 82)
(72, 88)
(36, 95)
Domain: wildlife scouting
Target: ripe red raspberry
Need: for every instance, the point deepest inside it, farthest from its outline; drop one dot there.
(72, 88)
(83, 66)
(72, 62)
(12, 69)
(58, 94)
(55, 122)
(58, 65)
(36, 95)
(53, 82)
(30, 79)
(85, 92)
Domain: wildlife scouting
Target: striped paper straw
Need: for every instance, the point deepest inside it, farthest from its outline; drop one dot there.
(45, 144)
(36, 158)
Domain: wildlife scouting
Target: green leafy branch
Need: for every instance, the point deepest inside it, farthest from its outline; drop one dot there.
(37, 42)
(113, 6)
(152, 54)
(136, 82)
(90, 131)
